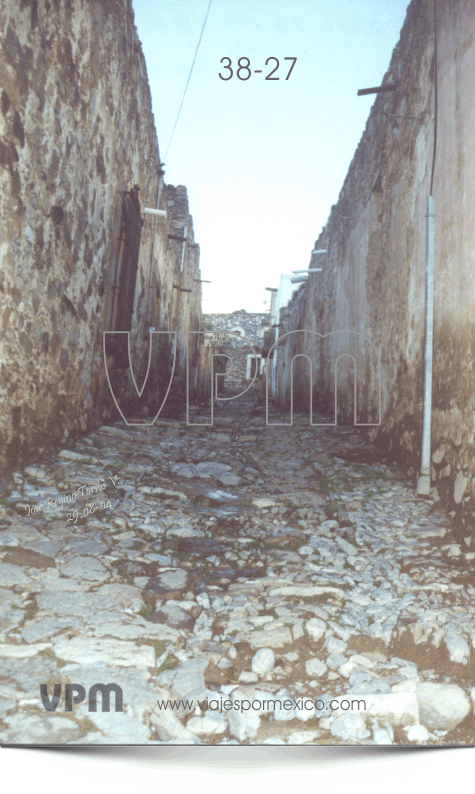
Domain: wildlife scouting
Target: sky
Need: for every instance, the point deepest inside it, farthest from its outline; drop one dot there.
(263, 160)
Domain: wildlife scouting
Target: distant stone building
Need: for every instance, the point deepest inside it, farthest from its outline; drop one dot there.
(79, 162)
(246, 356)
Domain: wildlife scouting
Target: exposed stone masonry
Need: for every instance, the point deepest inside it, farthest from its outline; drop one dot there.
(373, 274)
(76, 131)
(251, 326)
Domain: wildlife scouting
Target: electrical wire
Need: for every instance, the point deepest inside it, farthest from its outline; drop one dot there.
(347, 217)
(189, 78)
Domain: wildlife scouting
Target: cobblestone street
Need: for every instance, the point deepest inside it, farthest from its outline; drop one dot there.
(233, 563)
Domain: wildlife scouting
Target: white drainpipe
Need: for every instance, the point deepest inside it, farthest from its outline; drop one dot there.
(423, 483)
(183, 248)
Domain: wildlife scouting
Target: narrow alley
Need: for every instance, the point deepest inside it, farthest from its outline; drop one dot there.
(233, 570)
(252, 211)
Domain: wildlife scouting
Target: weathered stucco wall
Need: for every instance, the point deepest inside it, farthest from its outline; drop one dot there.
(373, 278)
(76, 131)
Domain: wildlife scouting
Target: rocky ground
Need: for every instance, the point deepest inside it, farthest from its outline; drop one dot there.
(233, 564)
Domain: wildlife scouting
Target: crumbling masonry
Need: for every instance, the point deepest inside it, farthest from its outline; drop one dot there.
(79, 162)
(373, 273)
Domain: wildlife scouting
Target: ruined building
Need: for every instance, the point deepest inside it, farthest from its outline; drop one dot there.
(369, 299)
(244, 347)
(79, 163)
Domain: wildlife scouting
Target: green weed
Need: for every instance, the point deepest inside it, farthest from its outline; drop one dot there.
(146, 610)
(169, 663)
(160, 647)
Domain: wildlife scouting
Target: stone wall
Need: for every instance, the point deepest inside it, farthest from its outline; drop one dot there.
(77, 135)
(373, 279)
(252, 328)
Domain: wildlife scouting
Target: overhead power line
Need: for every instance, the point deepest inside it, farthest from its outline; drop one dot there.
(189, 78)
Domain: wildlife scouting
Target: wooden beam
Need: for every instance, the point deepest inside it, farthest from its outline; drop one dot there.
(377, 90)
